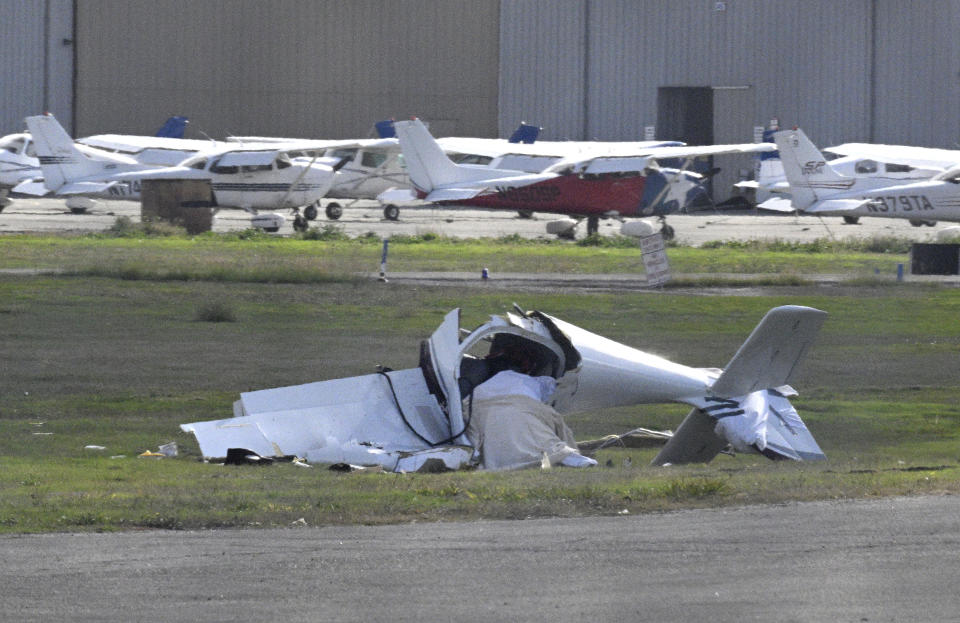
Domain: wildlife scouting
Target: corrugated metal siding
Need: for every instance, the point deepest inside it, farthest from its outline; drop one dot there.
(918, 94)
(289, 67)
(542, 66)
(37, 67)
(806, 60)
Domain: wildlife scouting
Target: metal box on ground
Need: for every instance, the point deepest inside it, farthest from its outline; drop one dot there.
(934, 259)
(183, 202)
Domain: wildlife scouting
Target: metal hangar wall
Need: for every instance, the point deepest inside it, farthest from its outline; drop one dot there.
(300, 68)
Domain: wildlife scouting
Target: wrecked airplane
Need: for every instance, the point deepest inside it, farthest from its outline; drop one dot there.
(402, 419)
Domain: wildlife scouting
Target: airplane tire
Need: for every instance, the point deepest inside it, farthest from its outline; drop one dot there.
(334, 211)
(391, 212)
(851, 220)
(310, 212)
(916, 222)
(525, 213)
(930, 223)
(78, 210)
(667, 232)
(300, 223)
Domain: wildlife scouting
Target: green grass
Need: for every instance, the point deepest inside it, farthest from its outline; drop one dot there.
(120, 363)
(320, 257)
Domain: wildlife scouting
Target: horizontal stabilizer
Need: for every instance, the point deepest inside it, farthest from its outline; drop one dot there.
(397, 194)
(772, 353)
(452, 194)
(84, 188)
(836, 205)
(32, 187)
(693, 442)
(777, 204)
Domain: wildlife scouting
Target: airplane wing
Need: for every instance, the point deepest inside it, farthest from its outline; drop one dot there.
(129, 144)
(919, 157)
(32, 187)
(642, 159)
(777, 204)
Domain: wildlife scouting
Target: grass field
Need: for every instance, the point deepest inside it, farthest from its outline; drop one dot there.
(119, 358)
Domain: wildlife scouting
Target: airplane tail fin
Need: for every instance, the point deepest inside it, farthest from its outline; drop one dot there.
(747, 407)
(61, 161)
(173, 127)
(810, 177)
(525, 133)
(427, 164)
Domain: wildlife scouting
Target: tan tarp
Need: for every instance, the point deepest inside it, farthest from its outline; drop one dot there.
(515, 431)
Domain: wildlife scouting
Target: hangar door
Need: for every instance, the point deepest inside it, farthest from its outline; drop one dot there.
(710, 116)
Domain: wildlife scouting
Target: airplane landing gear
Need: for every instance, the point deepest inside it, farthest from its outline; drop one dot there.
(310, 212)
(665, 230)
(593, 225)
(334, 211)
(391, 212)
(851, 220)
(300, 221)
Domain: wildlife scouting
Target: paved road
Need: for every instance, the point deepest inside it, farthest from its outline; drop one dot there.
(51, 215)
(880, 560)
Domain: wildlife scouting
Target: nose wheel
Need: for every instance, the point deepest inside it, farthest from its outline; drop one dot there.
(391, 212)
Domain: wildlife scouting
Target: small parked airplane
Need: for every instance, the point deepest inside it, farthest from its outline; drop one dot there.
(397, 418)
(241, 178)
(588, 180)
(18, 162)
(920, 185)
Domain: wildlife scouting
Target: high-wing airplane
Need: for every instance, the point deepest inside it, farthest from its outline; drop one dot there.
(18, 162)
(595, 180)
(370, 167)
(873, 166)
(395, 418)
(241, 178)
(914, 187)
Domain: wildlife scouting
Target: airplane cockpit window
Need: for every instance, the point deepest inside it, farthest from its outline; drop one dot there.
(14, 146)
(373, 159)
(196, 163)
(253, 168)
(471, 159)
(866, 166)
(31, 150)
(283, 161)
(344, 153)
(216, 168)
(898, 168)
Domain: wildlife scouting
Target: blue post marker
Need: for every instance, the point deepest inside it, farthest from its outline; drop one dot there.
(899, 272)
(383, 260)
(484, 274)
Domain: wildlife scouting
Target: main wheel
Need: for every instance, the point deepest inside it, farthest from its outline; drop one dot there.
(391, 212)
(334, 211)
(310, 212)
(78, 210)
(916, 222)
(525, 213)
(851, 220)
(300, 223)
(667, 232)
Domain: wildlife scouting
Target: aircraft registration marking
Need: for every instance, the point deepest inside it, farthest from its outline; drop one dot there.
(899, 203)
(528, 194)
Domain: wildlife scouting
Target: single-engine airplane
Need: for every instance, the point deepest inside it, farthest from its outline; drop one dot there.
(397, 418)
(241, 178)
(599, 180)
(18, 163)
(922, 185)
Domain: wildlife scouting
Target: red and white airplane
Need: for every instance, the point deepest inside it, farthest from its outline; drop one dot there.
(593, 180)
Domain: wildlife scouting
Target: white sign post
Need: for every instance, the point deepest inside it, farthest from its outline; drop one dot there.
(654, 254)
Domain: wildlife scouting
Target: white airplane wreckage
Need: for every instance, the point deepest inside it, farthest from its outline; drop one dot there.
(461, 405)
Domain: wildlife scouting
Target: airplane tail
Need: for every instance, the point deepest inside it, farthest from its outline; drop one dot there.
(61, 161)
(747, 407)
(810, 177)
(428, 165)
(173, 127)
